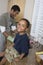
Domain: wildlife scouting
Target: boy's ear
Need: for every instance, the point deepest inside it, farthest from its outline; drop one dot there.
(26, 29)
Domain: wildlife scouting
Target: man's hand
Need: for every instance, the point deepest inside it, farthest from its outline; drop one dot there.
(6, 34)
(2, 54)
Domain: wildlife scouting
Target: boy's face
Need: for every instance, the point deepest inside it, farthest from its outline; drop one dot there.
(21, 26)
(13, 13)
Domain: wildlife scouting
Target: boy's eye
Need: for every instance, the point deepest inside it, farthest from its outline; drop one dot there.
(23, 25)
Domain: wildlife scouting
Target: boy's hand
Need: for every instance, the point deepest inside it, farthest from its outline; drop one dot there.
(17, 59)
(11, 45)
(20, 57)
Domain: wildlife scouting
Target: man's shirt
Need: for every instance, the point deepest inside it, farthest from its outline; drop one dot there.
(7, 21)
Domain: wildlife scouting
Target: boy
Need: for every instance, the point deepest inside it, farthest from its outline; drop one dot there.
(21, 40)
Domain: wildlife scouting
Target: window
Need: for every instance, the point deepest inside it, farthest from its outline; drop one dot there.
(37, 22)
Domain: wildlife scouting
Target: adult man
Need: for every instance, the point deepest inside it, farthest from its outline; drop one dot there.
(7, 20)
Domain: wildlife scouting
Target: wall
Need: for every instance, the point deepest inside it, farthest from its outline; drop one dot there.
(3, 6)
